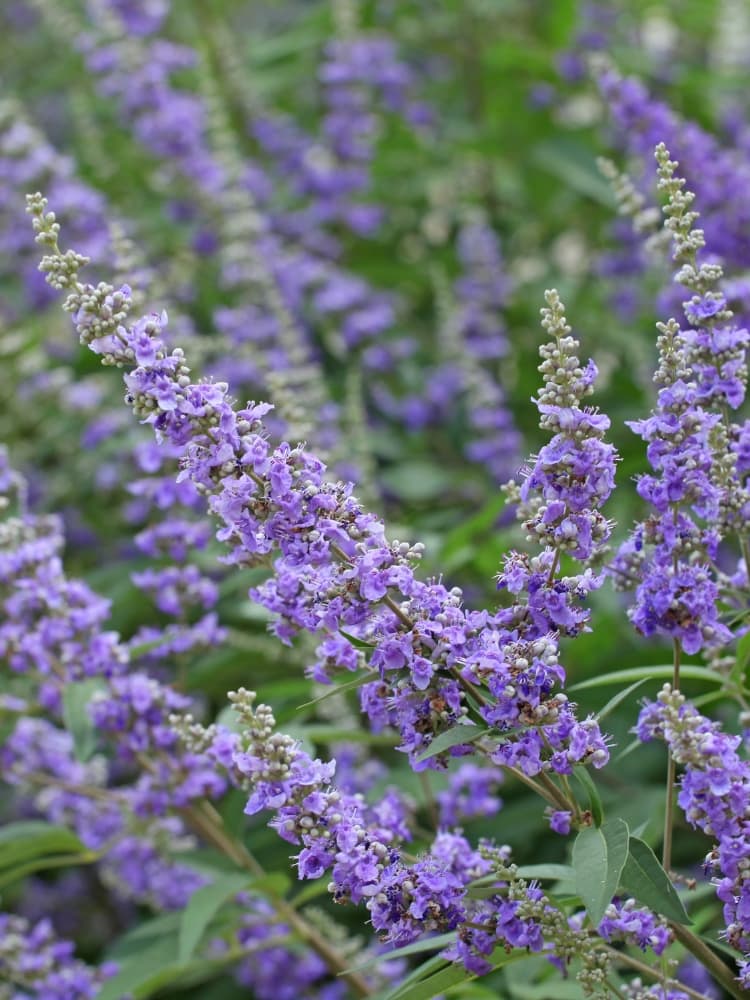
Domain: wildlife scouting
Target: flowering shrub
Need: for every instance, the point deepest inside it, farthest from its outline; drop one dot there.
(252, 743)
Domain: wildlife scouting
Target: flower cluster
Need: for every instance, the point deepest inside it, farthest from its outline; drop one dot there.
(334, 569)
(136, 851)
(52, 626)
(34, 963)
(624, 920)
(471, 792)
(338, 832)
(716, 173)
(573, 475)
(693, 492)
(373, 306)
(714, 795)
(481, 293)
(25, 154)
(433, 663)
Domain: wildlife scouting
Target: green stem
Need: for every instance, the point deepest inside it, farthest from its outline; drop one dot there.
(429, 799)
(548, 791)
(671, 773)
(646, 970)
(721, 972)
(611, 986)
(208, 823)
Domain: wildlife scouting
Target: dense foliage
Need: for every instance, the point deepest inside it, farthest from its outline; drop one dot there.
(252, 743)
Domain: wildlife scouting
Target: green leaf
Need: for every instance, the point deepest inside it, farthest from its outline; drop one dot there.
(163, 927)
(452, 738)
(75, 702)
(229, 719)
(573, 163)
(599, 855)
(201, 908)
(421, 972)
(665, 671)
(148, 960)
(472, 991)
(357, 681)
(271, 884)
(356, 641)
(283, 45)
(20, 842)
(557, 872)
(141, 648)
(415, 948)
(739, 670)
(645, 879)
(340, 734)
(432, 986)
(561, 989)
(45, 863)
(595, 803)
(482, 891)
(145, 975)
(618, 699)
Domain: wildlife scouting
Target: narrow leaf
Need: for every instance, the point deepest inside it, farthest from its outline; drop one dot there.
(473, 528)
(312, 890)
(574, 164)
(645, 879)
(28, 839)
(595, 803)
(552, 871)
(452, 738)
(164, 927)
(415, 948)
(665, 671)
(737, 675)
(626, 751)
(357, 642)
(140, 966)
(75, 711)
(202, 907)
(432, 986)
(208, 861)
(599, 855)
(337, 734)
(43, 863)
(618, 699)
(426, 968)
(357, 681)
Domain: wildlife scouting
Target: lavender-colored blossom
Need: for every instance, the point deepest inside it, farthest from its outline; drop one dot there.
(559, 821)
(716, 173)
(693, 491)
(43, 967)
(471, 792)
(714, 795)
(624, 920)
(334, 567)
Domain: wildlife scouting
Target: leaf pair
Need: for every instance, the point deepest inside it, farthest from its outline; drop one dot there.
(608, 858)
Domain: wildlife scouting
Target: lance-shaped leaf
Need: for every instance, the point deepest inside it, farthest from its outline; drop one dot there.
(452, 738)
(645, 879)
(599, 855)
